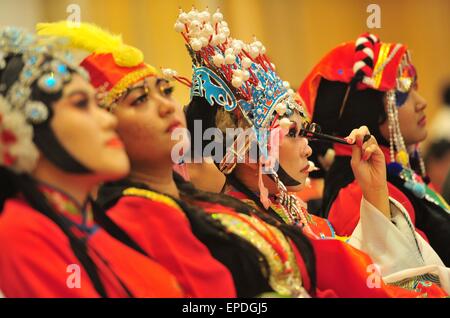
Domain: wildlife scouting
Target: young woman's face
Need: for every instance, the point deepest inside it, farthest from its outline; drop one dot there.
(147, 116)
(87, 132)
(294, 153)
(412, 119)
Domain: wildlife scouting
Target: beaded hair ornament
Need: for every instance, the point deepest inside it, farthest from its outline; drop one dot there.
(236, 76)
(239, 77)
(44, 64)
(113, 66)
(398, 84)
(369, 75)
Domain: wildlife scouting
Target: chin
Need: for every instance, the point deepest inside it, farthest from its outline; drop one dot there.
(296, 188)
(424, 135)
(299, 187)
(115, 170)
(421, 135)
(114, 174)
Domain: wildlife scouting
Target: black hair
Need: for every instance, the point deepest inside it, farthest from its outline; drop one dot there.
(362, 107)
(446, 95)
(292, 232)
(367, 108)
(213, 234)
(437, 150)
(238, 255)
(206, 114)
(200, 110)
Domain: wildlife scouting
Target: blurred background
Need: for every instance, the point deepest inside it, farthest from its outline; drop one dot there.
(297, 33)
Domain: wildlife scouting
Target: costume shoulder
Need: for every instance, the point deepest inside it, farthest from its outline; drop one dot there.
(149, 209)
(35, 256)
(110, 192)
(132, 194)
(158, 224)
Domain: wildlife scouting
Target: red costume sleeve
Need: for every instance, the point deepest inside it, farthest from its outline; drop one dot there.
(164, 232)
(34, 256)
(344, 212)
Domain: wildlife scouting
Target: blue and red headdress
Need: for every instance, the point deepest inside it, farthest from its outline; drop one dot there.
(370, 63)
(240, 78)
(236, 76)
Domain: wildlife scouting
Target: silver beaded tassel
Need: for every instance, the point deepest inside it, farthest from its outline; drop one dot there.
(396, 141)
(287, 201)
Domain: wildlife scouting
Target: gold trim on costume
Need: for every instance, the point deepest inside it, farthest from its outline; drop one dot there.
(412, 283)
(158, 197)
(285, 278)
(382, 56)
(125, 83)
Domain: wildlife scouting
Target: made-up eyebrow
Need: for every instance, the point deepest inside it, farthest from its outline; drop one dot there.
(78, 91)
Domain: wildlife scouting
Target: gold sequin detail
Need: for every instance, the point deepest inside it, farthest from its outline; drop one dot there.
(125, 82)
(285, 279)
(382, 56)
(158, 197)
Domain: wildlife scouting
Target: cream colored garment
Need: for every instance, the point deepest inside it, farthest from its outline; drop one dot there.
(395, 247)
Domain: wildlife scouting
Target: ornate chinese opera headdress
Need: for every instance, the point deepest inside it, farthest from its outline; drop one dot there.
(113, 66)
(370, 63)
(239, 78)
(29, 64)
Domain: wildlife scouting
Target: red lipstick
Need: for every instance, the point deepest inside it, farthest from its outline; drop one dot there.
(114, 142)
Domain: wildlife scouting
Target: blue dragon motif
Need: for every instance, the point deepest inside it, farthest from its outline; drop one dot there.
(207, 84)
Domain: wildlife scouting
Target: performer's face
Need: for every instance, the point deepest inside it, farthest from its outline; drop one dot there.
(294, 152)
(147, 117)
(87, 131)
(412, 119)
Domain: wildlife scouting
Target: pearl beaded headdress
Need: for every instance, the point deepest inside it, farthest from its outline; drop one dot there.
(44, 64)
(386, 67)
(239, 77)
(235, 75)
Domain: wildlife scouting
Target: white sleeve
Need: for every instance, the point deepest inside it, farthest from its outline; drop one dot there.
(433, 267)
(395, 247)
(392, 244)
(428, 254)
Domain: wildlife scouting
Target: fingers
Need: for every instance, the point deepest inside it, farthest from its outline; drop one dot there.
(369, 142)
(357, 135)
(364, 145)
(360, 134)
(369, 151)
(351, 138)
